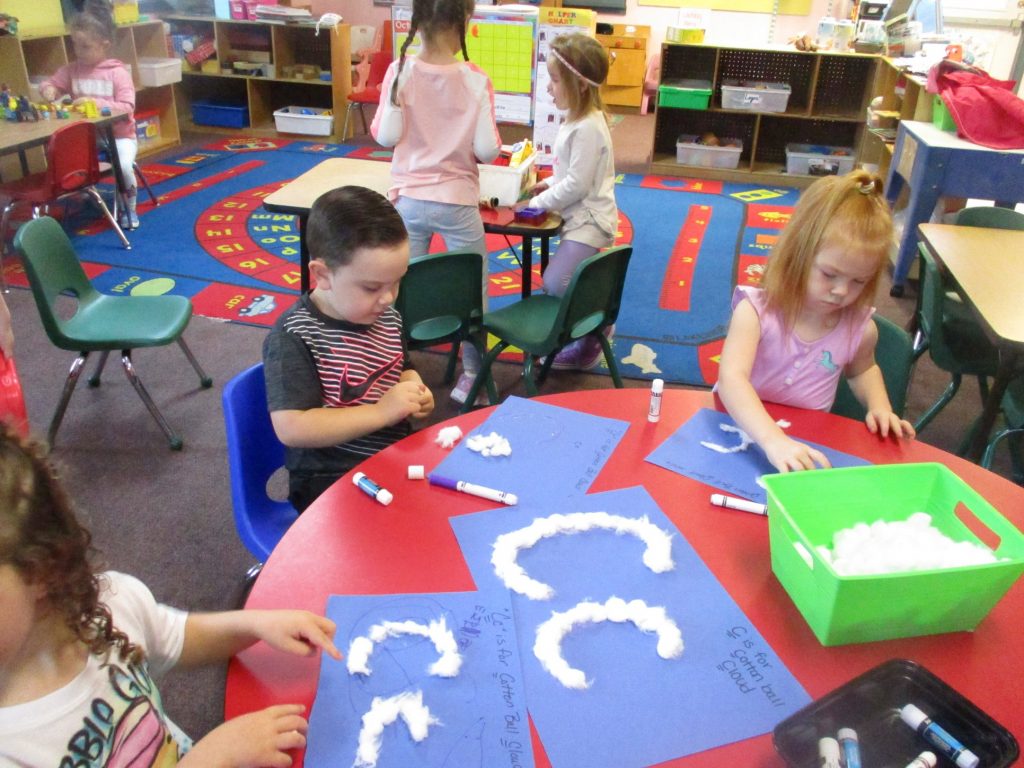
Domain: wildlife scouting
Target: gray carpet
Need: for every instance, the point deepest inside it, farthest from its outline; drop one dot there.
(166, 517)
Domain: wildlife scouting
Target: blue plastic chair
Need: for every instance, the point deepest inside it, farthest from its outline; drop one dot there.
(254, 455)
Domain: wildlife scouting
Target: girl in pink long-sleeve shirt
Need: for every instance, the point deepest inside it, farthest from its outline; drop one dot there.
(438, 113)
(93, 75)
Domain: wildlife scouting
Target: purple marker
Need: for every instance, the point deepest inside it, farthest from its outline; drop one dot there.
(483, 492)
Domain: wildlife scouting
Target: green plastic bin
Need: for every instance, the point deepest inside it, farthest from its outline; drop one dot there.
(806, 509)
(940, 115)
(684, 94)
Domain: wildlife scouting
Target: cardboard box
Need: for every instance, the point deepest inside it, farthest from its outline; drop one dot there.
(155, 71)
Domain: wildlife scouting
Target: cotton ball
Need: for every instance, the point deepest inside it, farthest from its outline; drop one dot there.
(448, 436)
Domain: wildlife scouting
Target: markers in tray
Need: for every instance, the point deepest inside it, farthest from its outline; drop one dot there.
(897, 715)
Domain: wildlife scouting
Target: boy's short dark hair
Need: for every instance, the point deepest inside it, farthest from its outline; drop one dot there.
(347, 219)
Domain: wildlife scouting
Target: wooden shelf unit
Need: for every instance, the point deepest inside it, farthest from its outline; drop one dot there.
(900, 92)
(43, 52)
(830, 95)
(290, 44)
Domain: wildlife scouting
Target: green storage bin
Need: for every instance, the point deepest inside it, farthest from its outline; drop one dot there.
(684, 94)
(940, 115)
(806, 509)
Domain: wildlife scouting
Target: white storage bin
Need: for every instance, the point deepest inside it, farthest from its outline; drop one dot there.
(755, 95)
(725, 155)
(818, 160)
(506, 183)
(157, 71)
(308, 120)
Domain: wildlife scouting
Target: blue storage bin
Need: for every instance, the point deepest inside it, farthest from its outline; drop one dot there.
(222, 115)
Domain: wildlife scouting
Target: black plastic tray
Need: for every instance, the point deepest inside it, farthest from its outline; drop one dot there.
(870, 705)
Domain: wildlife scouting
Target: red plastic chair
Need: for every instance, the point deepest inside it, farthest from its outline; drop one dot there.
(370, 92)
(72, 168)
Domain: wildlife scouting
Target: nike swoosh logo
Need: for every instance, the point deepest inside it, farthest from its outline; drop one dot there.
(352, 393)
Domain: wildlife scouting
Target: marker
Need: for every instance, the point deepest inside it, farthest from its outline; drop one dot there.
(938, 737)
(370, 488)
(731, 502)
(850, 746)
(654, 411)
(828, 752)
(924, 760)
(475, 490)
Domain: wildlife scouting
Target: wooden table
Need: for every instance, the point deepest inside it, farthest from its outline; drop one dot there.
(985, 263)
(346, 543)
(19, 137)
(298, 195)
(935, 163)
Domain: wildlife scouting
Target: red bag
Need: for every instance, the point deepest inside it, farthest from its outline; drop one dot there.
(12, 400)
(985, 110)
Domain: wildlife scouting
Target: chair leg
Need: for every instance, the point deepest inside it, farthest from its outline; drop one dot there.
(348, 115)
(129, 371)
(98, 198)
(453, 358)
(205, 381)
(609, 359)
(362, 115)
(145, 183)
(65, 397)
(528, 378)
(94, 380)
(484, 374)
(941, 403)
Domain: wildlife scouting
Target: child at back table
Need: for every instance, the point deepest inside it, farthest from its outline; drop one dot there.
(340, 386)
(790, 341)
(438, 114)
(78, 648)
(582, 188)
(106, 81)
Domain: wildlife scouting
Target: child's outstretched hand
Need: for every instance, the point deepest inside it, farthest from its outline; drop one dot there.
(883, 422)
(254, 740)
(789, 455)
(297, 632)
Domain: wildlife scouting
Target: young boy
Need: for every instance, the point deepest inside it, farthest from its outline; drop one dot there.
(339, 383)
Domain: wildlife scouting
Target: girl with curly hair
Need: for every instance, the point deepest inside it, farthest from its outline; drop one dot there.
(79, 649)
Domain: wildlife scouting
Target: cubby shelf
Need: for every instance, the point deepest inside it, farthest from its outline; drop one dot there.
(284, 45)
(830, 94)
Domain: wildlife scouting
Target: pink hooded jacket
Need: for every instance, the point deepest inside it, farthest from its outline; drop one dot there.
(109, 84)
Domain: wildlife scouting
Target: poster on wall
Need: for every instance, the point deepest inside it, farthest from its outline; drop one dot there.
(552, 23)
(501, 42)
(786, 7)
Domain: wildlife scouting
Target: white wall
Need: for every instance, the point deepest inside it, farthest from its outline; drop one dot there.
(726, 28)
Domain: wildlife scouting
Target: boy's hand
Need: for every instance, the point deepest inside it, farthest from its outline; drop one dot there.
(402, 400)
(884, 422)
(426, 403)
(789, 455)
(297, 632)
(254, 740)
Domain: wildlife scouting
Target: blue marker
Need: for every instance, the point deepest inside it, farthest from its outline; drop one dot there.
(851, 747)
(938, 737)
(370, 488)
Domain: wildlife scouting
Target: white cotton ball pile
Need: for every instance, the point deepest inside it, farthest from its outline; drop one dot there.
(448, 436)
(489, 445)
(913, 544)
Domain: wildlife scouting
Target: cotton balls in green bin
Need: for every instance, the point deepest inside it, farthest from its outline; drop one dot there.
(896, 546)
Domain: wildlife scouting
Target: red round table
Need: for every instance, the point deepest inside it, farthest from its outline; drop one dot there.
(346, 543)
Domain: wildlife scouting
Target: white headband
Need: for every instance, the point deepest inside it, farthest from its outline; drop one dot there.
(573, 69)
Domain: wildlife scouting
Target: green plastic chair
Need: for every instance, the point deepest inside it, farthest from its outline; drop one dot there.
(100, 323)
(440, 302)
(541, 324)
(895, 356)
(956, 342)
(1013, 412)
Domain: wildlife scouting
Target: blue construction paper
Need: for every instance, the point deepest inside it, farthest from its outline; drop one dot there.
(640, 709)
(556, 451)
(482, 710)
(734, 473)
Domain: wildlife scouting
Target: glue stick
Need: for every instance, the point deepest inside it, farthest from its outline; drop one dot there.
(654, 411)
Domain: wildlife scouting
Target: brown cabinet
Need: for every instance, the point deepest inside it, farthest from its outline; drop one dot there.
(292, 53)
(827, 105)
(627, 63)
